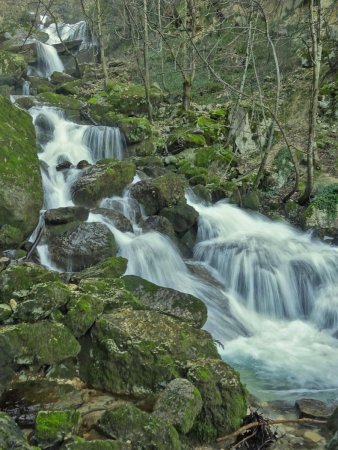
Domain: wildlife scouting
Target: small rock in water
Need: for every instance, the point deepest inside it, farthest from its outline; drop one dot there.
(82, 164)
(312, 436)
(63, 165)
(313, 409)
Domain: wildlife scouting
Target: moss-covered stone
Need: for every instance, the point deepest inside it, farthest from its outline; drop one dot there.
(133, 352)
(10, 237)
(183, 138)
(107, 444)
(135, 129)
(183, 306)
(213, 130)
(104, 179)
(65, 102)
(109, 268)
(21, 193)
(224, 398)
(12, 63)
(172, 188)
(179, 404)
(73, 87)
(182, 217)
(11, 437)
(52, 426)
(5, 312)
(60, 216)
(144, 431)
(38, 343)
(23, 277)
(143, 148)
(42, 300)
(82, 311)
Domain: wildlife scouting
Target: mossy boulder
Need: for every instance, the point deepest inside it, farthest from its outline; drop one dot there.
(106, 444)
(11, 437)
(159, 224)
(72, 87)
(182, 217)
(21, 194)
(10, 237)
(164, 191)
(51, 427)
(183, 306)
(135, 352)
(36, 344)
(82, 311)
(5, 312)
(75, 246)
(224, 398)
(104, 179)
(183, 138)
(40, 85)
(69, 104)
(41, 301)
(113, 267)
(60, 216)
(179, 404)
(115, 217)
(12, 64)
(144, 431)
(23, 277)
(135, 129)
(213, 129)
(143, 148)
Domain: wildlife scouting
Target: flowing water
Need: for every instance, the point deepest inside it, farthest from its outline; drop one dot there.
(71, 32)
(48, 61)
(273, 305)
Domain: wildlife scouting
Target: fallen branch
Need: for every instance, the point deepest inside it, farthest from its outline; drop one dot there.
(243, 440)
(268, 422)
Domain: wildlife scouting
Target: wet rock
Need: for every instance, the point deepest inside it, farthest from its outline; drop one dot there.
(38, 343)
(144, 431)
(134, 352)
(5, 312)
(10, 237)
(312, 436)
(182, 217)
(44, 129)
(313, 409)
(179, 404)
(64, 165)
(116, 218)
(60, 77)
(4, 262)
(159, 224)
(332, 423)
(83, 164)
(60, 216)
(51, 427)
(110, 268)
(41, 301)
(224, 398)
(183, 138)
(75, 246)
(23, 277)
(185, 307)
(98, 445)
(104, 179)
(82, 311)
(333, 444)
(11, 437)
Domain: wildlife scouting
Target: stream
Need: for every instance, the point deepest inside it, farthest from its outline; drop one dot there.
(273, 307)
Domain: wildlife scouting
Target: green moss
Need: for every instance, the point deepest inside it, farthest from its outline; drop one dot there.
(327, 200)
(10, 236)
(212, 129)
(136, 129)
(61, 101)
(53, 426)
(171, 187)
(82, 311)
(113, 267)
(12, 63)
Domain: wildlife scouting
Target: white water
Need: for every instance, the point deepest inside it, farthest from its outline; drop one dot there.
(274, 304)
(25, 87)
(71, 32)
(48, 61)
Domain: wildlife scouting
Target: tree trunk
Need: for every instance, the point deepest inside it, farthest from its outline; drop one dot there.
(100, 35)
(186, 94)
(146, 60)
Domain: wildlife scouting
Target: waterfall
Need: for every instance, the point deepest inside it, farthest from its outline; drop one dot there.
(48, 61)
(71, 32)
(25, 87)
(104, 142)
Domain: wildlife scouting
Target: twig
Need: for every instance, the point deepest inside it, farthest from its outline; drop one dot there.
(244, 440)
(268, 422)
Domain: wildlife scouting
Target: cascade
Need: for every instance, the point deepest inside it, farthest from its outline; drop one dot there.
(48, 61)
(71, 32)
(26, 87)
(273, 302)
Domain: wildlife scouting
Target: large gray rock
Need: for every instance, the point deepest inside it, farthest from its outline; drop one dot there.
(116, 218)
(182, 217)
(75, 246)
(11, 437)
(60, 216)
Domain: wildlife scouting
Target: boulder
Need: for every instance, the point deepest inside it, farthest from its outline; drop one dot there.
(182, 138)
(135, 129)
(82, 311)
(332, 423)
(51, 427)
(60, 216)
(36, 344)
(182, 217)
(21, 194)
(23, 277)
(185, 307)
(110, 268)
(224, 398)
(106, 444)
(104, 179)
(179, 404)
(142, 430)
(11, 437)
(313, 409)
(116, 218)
(159, 224)
(333, 443)
(70, 105)
(41, 301)
(10, 236)
(75, 246)
(135, 352)
(5, 312)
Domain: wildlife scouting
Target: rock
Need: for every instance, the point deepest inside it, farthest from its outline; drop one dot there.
(224, 398)
(332, 423)
(110, 268)
(60, 77)
(159, 224)
(23, 277)
(333, 444)
(82, 164)
(12, 64)
(82, 311)
(179, 404)
(313, 409)
(183, 138)
(313, 436)
(144, 431)
(51, 427)
(5, 312)
(41, 301)
(134, 352)
(182, 217)
(185, 307)
(11, 437)
(143, 148)
(64, 165)
(10, 237)
(38, 343)
(75, 246)
(44, 129)
(104, 179)
(251, 200)
(107, 444)
(136, 130)
(116, 218)
(70, 105)
(25, 102)
(4, 263)
(164, 191)
(60, 216)
(21, 194)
